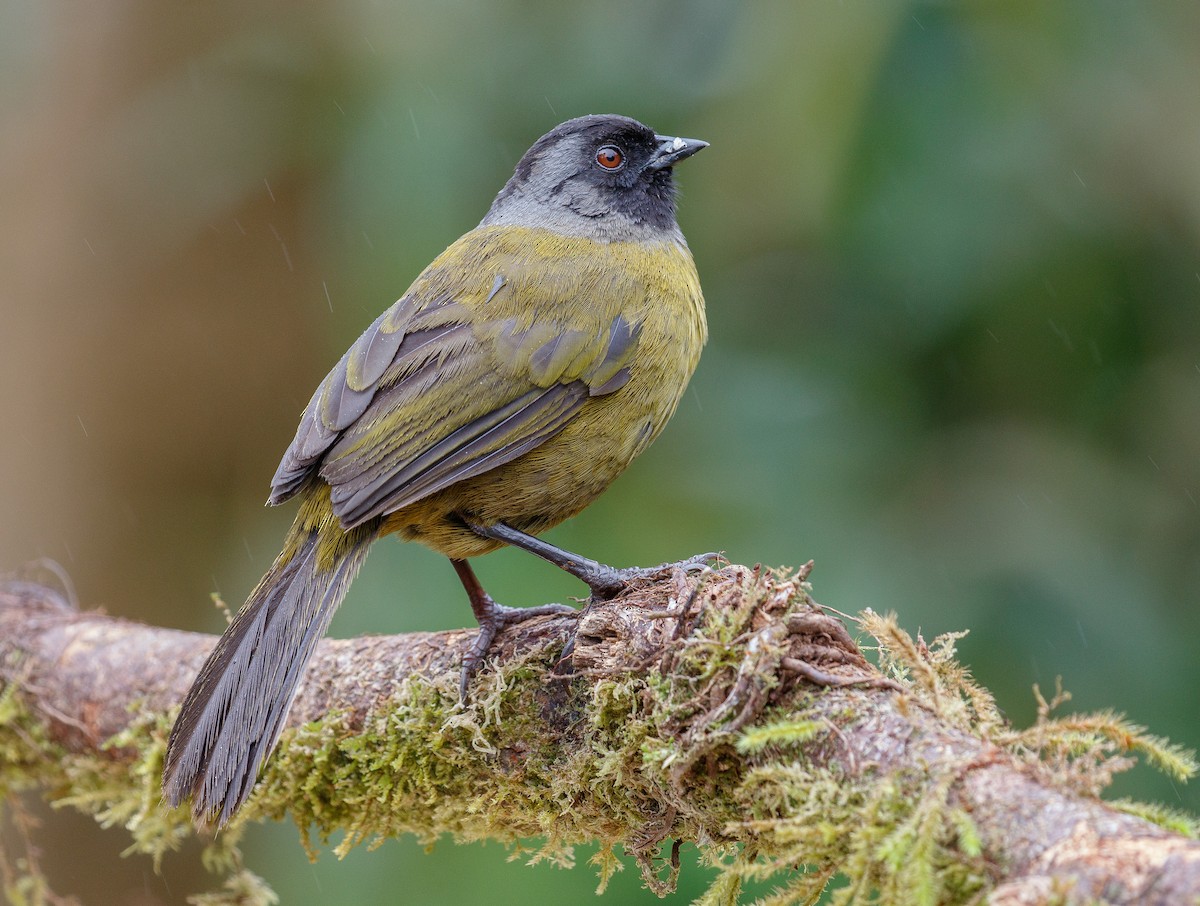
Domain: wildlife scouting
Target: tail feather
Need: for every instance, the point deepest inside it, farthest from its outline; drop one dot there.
(234, 712)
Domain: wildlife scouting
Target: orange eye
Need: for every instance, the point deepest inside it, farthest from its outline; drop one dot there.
(610, 157)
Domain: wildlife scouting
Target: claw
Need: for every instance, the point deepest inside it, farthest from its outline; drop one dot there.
(607, 582)
(698, 562)
(492, 618)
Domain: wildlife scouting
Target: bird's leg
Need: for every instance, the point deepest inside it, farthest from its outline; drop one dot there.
(604, 581)
(492, 618)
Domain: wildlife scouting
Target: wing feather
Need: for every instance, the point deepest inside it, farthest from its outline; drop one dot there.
(454, 380)
(488, 441)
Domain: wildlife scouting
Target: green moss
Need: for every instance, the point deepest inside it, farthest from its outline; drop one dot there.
(700, 752)
(896, 838)
(243, 888)
(781, 733)
(107, 786)
(1164, 816)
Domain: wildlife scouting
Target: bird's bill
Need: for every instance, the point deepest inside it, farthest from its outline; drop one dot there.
(672, 149)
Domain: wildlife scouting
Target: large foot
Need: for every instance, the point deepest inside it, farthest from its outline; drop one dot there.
(605, 582)
(492, 618)
(609, 581)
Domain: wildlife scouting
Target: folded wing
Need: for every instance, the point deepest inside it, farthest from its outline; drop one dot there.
(446, 386)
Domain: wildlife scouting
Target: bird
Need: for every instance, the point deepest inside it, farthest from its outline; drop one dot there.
(518, 376)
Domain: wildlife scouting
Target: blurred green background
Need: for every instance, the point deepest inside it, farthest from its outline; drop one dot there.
(952, 260)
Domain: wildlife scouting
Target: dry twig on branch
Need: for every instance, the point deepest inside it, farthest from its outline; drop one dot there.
(726, 710)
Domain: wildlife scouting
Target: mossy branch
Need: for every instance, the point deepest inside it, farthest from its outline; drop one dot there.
(726, 710)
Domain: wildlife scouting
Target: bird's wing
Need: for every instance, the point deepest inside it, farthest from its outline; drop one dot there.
(461, 376)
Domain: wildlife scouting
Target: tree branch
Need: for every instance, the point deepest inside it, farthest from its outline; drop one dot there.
(727, 710)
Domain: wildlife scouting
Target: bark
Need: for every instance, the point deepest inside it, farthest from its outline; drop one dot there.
(726, 710)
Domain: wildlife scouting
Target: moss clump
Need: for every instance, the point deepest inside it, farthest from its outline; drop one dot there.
(428, 766)
(114, 790)
(897, 838)
(242, 888)
(714, 743)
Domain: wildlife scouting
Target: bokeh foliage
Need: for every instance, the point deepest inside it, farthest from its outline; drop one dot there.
(950, 256)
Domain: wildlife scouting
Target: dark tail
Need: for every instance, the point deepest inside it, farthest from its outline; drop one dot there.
(234, 712)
